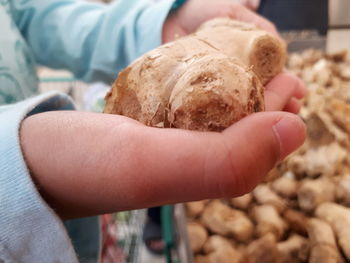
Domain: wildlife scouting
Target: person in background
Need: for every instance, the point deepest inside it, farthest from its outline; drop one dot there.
(57, 164)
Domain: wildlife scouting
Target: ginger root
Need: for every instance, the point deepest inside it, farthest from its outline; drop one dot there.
(322, 241)
(322, 160)
(246, 42)
(194, 209)
(340, 111)
(269, 221)
(223, 220)
(263, 250)
(205, 81)
(242, 202)
(314, 192)
(285, 186)
(219, 249)
(264, 195)
(198, 236)
(343, 190)
(339, 218)
(293, 250)
(296, 221)
(223, 255)
(215, 242)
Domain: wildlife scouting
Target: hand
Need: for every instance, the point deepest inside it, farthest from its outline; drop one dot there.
(188, 18)
(86, 164)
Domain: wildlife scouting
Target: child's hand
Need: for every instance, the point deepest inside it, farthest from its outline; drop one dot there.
(87, 164)
(193, 13)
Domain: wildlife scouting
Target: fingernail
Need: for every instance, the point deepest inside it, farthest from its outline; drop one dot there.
(290, 132)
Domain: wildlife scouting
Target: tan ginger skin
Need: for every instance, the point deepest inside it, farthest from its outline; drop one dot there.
(322, 242)
(339, 218)
(223, 220)
(194, 209)
(206, 81)
(198, 235)
(293, 250)
(242, 202)
(296, 221)
(262, 250)
(219, 249)
(269, 221)
(285, 186)
(343, 190)
(314, 192)
(264, 195)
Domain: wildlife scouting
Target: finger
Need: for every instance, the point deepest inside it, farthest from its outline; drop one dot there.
(300, 87)
(243, 14)
(293, 106)
(281, 89)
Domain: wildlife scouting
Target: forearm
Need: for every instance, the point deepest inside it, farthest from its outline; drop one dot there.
(88, 164)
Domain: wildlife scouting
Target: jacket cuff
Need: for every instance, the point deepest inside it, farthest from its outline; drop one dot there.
(30, 231)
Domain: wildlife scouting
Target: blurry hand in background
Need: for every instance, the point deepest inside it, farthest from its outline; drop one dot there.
(193, 13)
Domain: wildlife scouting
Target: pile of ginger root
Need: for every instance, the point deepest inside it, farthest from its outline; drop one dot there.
(301, 212)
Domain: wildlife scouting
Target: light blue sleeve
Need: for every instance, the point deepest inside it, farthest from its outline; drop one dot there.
(93, 41)
(29, 230)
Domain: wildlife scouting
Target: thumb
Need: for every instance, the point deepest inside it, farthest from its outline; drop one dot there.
(179, 165)
(254, 146)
